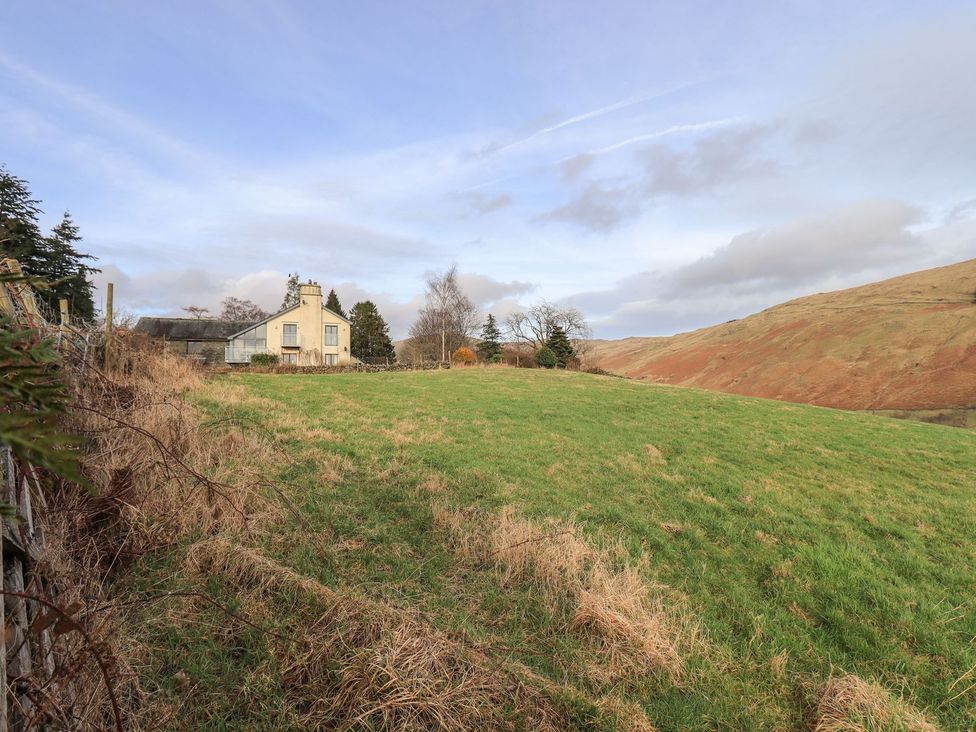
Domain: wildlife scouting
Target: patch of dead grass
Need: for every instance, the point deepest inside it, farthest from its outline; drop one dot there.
(432, 485)
(414, 432)
(653, 453)
(357, 663)
(699, 496)
(850, 704)
(671, 528)
(778, 663)
(636, 624)
(763, 538)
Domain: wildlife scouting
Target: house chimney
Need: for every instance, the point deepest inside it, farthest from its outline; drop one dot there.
(311, 291)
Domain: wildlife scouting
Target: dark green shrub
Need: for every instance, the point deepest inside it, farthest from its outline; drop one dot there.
(546, 358)
(264, 359)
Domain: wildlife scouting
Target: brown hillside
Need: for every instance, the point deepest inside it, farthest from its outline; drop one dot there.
(904, 343)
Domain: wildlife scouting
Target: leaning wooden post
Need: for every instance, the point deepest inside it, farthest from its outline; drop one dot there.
(108, 322)
(63, 307)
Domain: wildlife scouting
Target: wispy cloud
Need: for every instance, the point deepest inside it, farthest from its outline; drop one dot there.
(105, 112)
(673, 130)
(595, 113)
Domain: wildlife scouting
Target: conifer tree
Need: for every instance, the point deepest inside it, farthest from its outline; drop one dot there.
(489, 347)
(546, 358)
(559, 344)
(67, 271)
(332, 303)
(53, 258)
(20, 236)
(369, 334)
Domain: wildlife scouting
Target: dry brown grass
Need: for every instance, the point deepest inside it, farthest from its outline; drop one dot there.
(412, 432)
(357, 663)
(157, 469)
(637, 625)
(700, 496)
(433, 485)
(778, 664)
(653, 453)
(671, 528)
(850, 704)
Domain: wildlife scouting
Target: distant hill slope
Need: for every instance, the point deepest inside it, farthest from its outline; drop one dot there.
(904, 343)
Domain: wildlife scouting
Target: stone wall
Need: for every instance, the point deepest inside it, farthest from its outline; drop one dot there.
(351, 368)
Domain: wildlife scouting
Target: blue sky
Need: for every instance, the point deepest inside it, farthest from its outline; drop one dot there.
(662, 166)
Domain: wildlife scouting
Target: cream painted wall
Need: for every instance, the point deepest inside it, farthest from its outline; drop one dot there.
(311, 318)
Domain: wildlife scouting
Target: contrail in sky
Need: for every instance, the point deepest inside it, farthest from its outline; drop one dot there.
(673, 130)
(622, 104)
(697, 127)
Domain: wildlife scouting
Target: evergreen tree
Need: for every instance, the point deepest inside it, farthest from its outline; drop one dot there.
(489, 347)
(53, 259)
(546, 358)
(332, 303)
(559, 344)
(292, 291)
(369, 333)
(20, 236)
(68, 273)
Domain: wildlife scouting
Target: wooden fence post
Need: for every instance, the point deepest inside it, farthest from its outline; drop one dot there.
(108, 322)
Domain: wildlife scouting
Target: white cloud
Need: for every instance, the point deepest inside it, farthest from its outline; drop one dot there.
(862, 243)
(856, 238)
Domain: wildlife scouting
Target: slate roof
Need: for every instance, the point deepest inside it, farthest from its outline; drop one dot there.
(191, 329)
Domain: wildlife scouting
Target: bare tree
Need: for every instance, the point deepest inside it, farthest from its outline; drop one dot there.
(196, 311)
(449, 317)
(236, 309)
(534, 326)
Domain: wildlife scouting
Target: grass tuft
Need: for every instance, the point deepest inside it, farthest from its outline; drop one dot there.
(850, 704)
(635, 624)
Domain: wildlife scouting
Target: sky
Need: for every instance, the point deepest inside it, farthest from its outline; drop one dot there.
(661, 166)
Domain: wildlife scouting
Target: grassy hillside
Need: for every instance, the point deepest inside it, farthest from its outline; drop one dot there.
(908, 343)
(629, 552)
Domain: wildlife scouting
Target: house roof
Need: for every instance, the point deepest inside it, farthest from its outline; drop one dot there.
(282, 312)
(191, 329)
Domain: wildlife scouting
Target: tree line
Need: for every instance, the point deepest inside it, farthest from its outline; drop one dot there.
(551, 334)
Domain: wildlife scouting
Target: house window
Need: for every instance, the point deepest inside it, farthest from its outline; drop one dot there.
(331, 359)
(289, 358)
(289, 334)
(332, 335)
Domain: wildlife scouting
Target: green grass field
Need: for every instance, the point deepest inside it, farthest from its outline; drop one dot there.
(806, 542)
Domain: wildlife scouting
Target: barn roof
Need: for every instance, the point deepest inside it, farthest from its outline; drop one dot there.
(191, 329)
